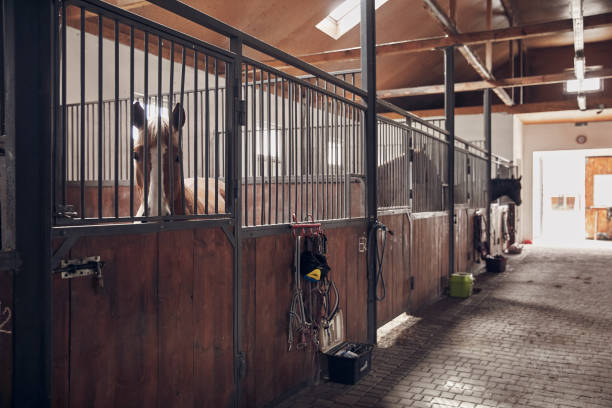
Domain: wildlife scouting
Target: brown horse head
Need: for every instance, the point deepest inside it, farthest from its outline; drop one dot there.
(168, 166)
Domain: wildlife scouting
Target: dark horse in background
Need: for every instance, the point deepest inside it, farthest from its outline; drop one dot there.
(510, 188)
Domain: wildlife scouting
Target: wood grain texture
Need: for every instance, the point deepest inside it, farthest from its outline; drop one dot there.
(113, 332)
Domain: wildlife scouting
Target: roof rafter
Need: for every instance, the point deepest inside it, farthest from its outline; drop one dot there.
(467, 53)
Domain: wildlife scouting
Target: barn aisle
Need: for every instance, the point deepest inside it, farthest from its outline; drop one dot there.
(537, 335)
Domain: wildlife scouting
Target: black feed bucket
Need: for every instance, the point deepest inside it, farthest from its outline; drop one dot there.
(496, 263)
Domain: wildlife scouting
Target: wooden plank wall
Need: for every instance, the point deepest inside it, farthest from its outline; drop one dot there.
(428, 257)
(596, 165)
(273, 371)
(396, 269)
(160, 331)
(6, 338)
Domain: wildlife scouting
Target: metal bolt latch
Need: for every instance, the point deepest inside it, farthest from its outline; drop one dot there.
(77, 268)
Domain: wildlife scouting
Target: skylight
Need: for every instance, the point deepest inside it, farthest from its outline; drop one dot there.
(344, 17)
(588, 85)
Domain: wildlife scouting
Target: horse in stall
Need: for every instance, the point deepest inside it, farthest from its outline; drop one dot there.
(180, 187)
(506, 187)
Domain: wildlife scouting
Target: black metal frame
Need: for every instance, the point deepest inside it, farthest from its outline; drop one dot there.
(449, 108)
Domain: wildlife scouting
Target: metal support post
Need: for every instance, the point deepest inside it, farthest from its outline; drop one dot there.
(234, 137)
(487, 131)
(30, 33)
(449, 109)
(368, 78)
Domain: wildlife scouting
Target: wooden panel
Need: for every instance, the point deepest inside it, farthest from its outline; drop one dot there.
(113, 332)
(428, 257)
(355, 312)
(213, 311)
(61, 339)
(395, 271)
(249, 328)
(273, 371)
(6, 338)
(176, 294)
(276, 369)
(596, 165)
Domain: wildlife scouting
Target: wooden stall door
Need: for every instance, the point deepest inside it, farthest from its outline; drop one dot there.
(159, 333)
(595, 214)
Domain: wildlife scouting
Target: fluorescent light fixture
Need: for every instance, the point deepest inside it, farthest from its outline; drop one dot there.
(587, 85)
(579, 67)
(344, 17)
(582, 102)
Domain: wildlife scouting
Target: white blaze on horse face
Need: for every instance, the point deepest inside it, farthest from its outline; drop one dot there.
(155, 189)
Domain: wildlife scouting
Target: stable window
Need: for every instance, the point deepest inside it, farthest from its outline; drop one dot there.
(602, 190)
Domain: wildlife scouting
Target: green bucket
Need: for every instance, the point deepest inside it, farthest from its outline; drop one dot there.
(461, 285)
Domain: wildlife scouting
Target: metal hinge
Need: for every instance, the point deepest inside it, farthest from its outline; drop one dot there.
(411, 155)
(241, 111)
(78, 268)
(411, 194)
(412, 283)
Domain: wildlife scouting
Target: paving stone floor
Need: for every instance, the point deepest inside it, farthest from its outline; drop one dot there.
(539, 335)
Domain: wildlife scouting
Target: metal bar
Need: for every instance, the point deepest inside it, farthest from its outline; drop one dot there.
(290, 150)
(276, 155)
(284, 152)
(216, 136)
(171, 152)
(269, 150)
(449, 107)
(206, 132)
(368, 75)
(82, 106)
(116, 145)
(180, 130)
(195, 132)
(160, 164)
(261, 156)
(100, 106)
(302, 150)
(64, 109)
(145, 156)
(157, 225)
(254, 150)
(131, 129)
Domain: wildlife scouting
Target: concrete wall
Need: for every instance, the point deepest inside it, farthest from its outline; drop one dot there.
(551, 137)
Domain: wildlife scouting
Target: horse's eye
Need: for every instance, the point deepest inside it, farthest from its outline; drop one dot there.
(136, 156)
(178, 159)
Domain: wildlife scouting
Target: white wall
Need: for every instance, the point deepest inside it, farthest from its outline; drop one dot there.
(552, 137)
(471, 127)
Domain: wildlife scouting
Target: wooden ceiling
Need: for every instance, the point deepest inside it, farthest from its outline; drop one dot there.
(290, 26)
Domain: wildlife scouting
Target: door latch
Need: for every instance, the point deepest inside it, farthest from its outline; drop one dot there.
(78, 268)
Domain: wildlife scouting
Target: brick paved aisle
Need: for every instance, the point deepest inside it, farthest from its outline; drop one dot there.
(539, 335)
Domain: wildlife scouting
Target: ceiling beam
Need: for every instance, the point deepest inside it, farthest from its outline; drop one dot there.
(552, 106)
(478, 37)
(467, 53)
(546, 79)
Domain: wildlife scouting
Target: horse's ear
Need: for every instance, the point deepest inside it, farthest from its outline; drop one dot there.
(139, 115)
(519, 179)
(178, 116)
